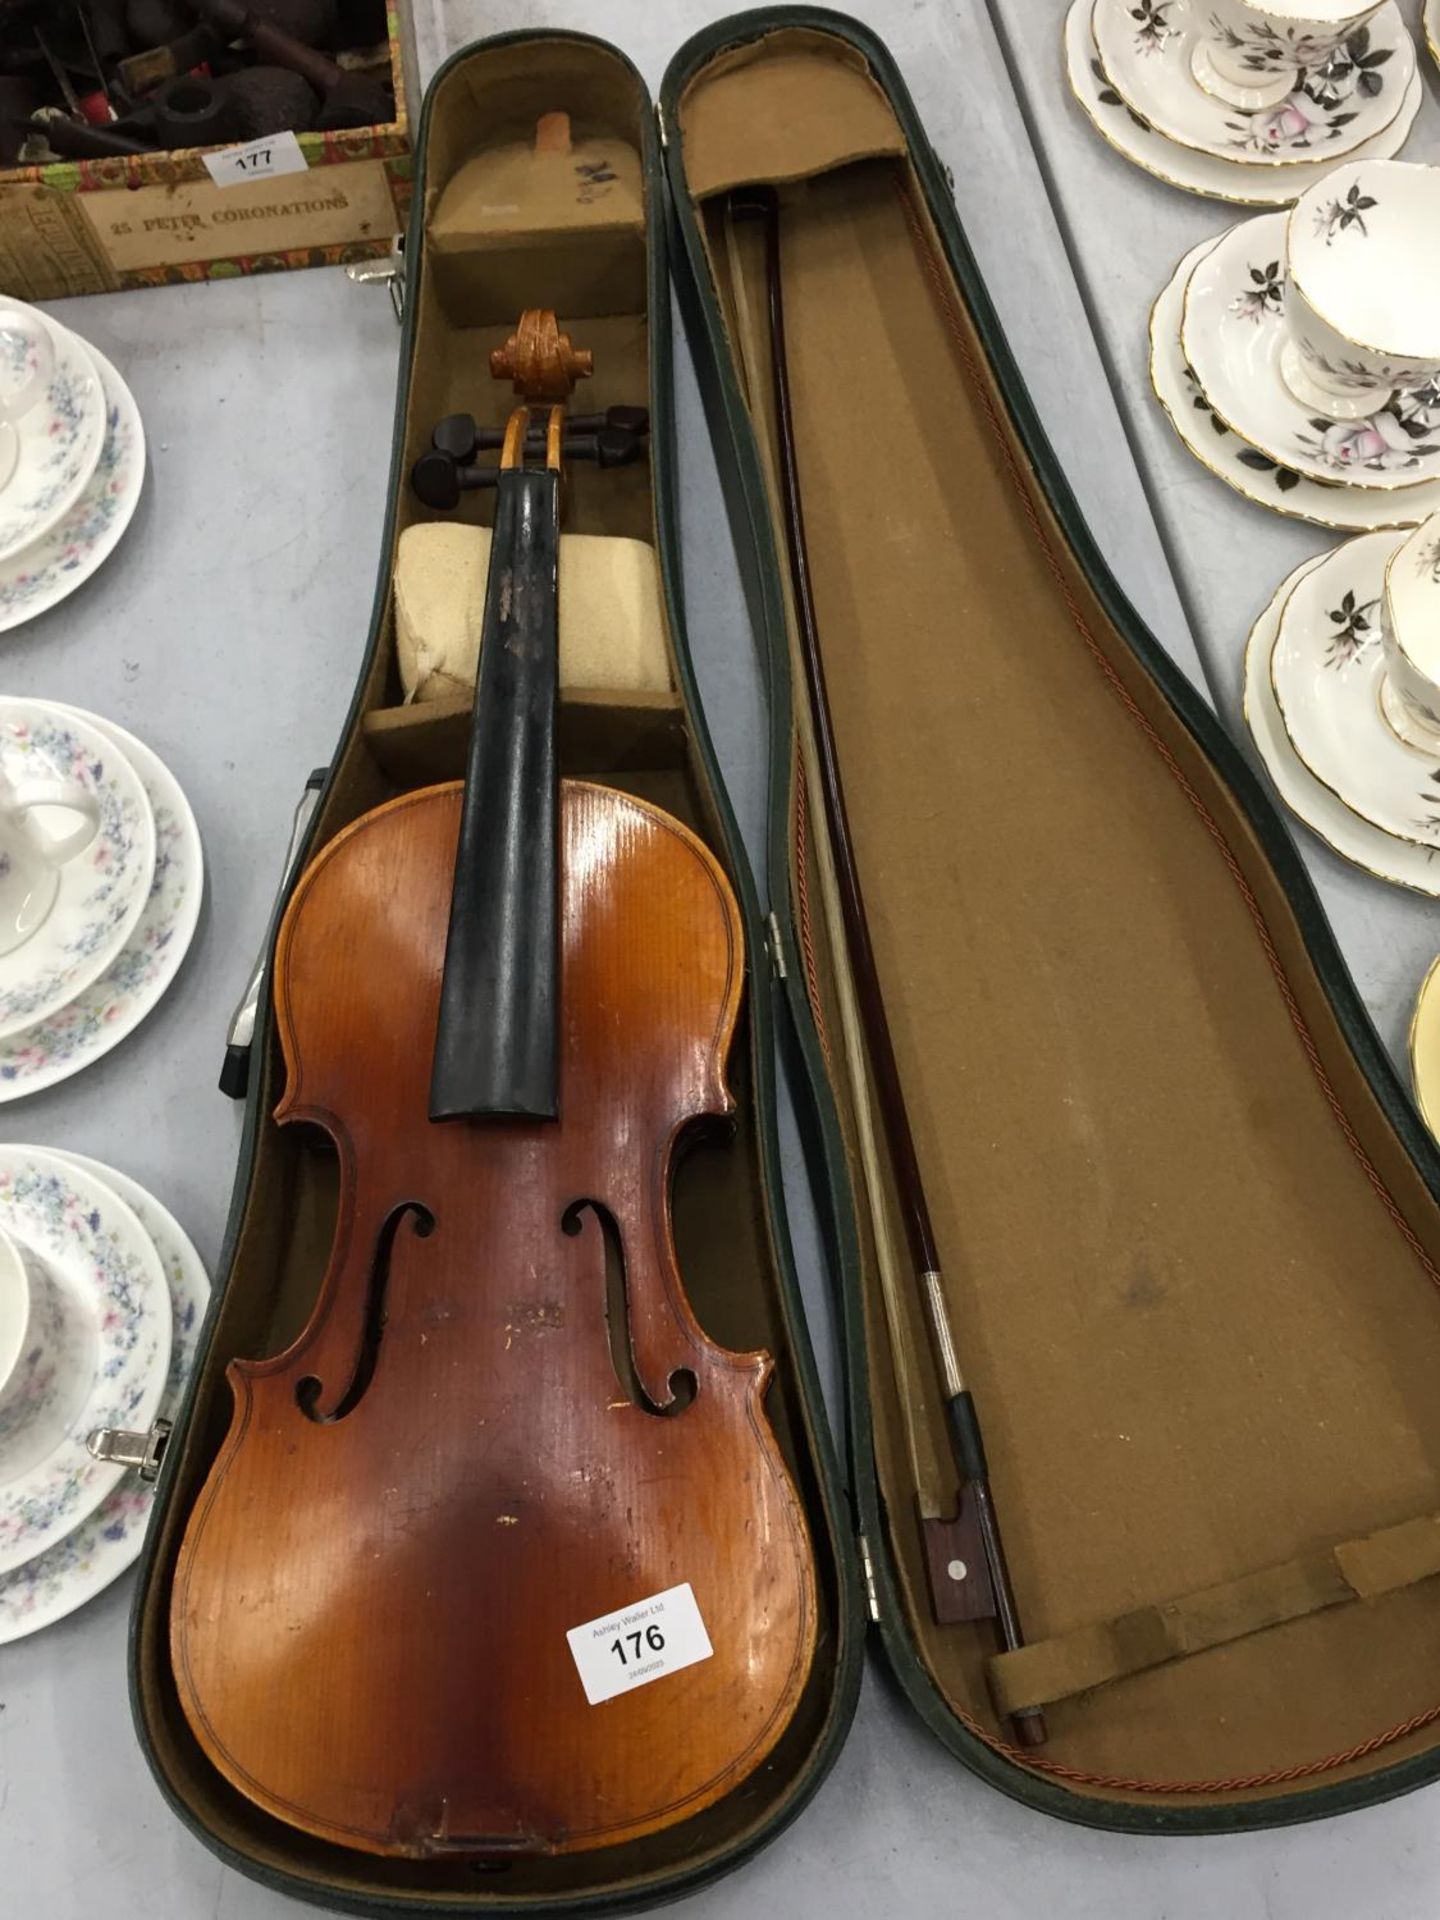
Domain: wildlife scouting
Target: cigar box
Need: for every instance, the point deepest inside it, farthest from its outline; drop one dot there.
(161, 219)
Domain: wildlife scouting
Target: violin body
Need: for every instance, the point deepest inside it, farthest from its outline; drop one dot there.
(502, 1420)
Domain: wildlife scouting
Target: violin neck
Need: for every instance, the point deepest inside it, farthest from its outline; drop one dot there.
(497, 1039)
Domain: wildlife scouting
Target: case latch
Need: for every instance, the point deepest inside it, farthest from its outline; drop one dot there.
(143, 1451)
(776, 945)
(872, 1591)
(389, 272)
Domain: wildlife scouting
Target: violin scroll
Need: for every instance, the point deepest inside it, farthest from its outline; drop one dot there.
(539, 361)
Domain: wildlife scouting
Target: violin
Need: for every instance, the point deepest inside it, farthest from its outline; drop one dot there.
(501, 1556)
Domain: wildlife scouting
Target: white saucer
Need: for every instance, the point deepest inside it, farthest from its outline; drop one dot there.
(1431, 26)
(102, 892)
(1148, 64)
(65, 557)
(1246, 183)
(1327, 818)
(59, 444)
(87, 1027)
(78, 1567)
(1245, 468)
(96, 1248)
(1232, 333)
(1326, 671)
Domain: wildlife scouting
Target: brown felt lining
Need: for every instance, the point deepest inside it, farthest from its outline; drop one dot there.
(642, 745)
(1189, 1285)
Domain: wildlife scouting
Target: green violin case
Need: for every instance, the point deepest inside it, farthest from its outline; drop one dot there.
(1191, 1221)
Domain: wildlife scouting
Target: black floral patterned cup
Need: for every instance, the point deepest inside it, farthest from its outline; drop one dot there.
(1410, 630)
(1362, 295)
(1253, 55)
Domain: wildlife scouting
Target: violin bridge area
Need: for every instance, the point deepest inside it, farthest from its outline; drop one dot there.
(1192, 1271)
(512, 220)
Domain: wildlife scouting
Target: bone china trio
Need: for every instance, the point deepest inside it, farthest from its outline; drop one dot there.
(1297, 356)
(100, 885)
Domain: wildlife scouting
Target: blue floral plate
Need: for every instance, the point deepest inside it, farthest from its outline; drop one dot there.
(102, 891)
(82, 539)
(100, 1549)
(110, 1009)
(98, 1251)
(60, 442)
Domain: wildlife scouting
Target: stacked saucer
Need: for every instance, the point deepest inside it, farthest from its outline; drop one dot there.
(101, 1298)
(1342, 696)
(72, 461)
(1298, 356)
(1244, 100)
(100, 883)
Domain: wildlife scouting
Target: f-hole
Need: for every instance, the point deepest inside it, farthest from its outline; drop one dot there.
(309, 1390)
(617, 1319)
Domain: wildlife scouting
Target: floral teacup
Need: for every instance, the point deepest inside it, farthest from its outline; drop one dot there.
(47, 1354)
(1252, 53)
(31, 857)
(27, 364)
(1362, 292)
(1410, 628)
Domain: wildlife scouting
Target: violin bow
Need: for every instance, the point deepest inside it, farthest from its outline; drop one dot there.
(994, 1595)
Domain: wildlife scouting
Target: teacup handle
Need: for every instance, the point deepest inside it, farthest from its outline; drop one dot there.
(55, 850)
(20, 323)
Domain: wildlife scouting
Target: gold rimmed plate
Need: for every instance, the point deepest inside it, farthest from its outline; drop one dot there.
(1245, 468)
(1241, 183)
(1233, 333)
(1332, 111)
(1327, 817)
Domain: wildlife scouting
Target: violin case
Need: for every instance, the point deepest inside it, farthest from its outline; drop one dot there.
(1191, 1219)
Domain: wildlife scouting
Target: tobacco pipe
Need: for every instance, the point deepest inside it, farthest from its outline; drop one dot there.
(191, 111)
(349, 99)
(142, 72)
(18, 100)
(439, 479)
(78, 140)
(269, 100)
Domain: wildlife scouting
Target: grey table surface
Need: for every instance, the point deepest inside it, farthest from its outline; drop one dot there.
(226, 631)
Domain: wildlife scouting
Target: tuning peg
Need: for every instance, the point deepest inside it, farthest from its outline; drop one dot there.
(459, 435)
(609, 447)
(439, 479)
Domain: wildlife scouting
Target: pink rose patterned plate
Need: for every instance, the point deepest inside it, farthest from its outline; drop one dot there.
(1243, 179)
(101, 892)
(135, 982)
(1232, 334)
(1322, 811)
(1265, 481)
(94, 1247)
(65, 556)
(100, 1549)
(1145, 47)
